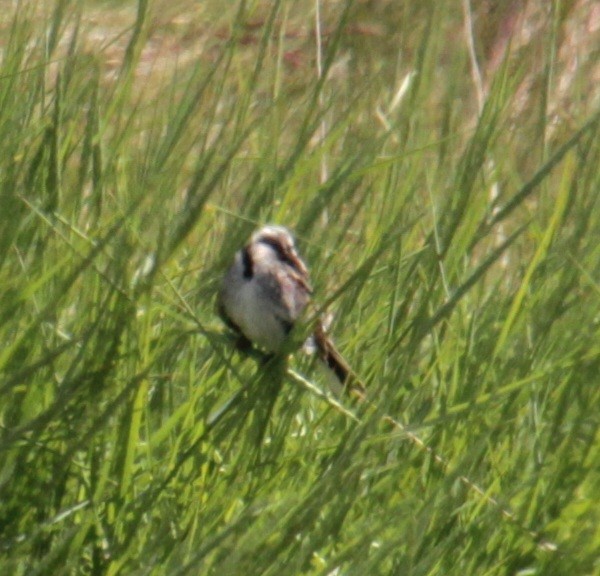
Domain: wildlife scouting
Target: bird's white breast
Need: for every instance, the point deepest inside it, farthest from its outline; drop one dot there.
(255, 317)
(250, 307)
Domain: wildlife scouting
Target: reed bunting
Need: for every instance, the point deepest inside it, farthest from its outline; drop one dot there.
(266, 290)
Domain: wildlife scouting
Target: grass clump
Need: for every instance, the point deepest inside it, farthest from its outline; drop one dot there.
(449, 215)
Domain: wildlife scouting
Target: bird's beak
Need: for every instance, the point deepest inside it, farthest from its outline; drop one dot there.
(298, 265)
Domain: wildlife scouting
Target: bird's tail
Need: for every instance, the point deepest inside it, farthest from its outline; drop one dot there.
(330, 356)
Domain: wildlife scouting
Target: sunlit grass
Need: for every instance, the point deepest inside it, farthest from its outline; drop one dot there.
(455, 244)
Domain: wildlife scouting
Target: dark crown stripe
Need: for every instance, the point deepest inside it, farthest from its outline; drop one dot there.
(283, 254)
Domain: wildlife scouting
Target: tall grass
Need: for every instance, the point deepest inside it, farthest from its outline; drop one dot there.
(136, 440)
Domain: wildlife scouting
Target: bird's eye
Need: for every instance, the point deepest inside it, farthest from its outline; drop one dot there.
(285, 251)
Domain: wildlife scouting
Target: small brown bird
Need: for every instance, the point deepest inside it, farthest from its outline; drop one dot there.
(266, 290)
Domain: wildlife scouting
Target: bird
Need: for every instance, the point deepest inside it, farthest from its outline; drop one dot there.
(264, 293)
